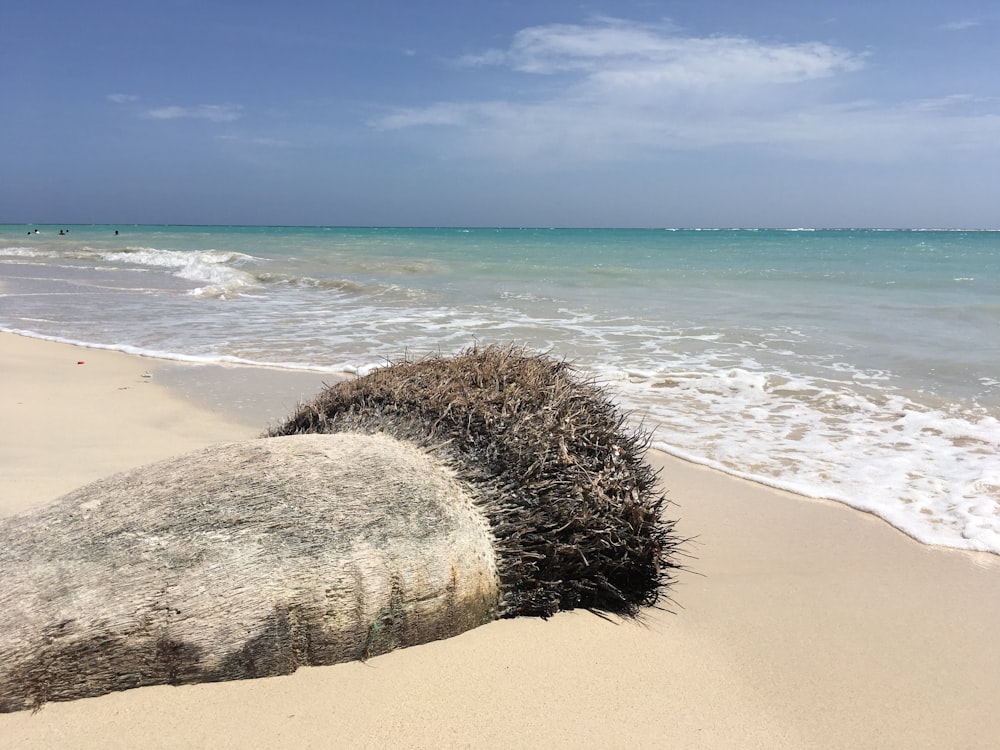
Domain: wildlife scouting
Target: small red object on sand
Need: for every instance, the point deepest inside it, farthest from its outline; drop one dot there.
(81, 362)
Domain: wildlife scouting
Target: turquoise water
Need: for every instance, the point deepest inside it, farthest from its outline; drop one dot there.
(857, 365)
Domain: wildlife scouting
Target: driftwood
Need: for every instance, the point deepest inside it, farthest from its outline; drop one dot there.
(242, 560)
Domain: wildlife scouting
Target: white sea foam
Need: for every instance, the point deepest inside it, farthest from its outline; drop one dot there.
(24, 252)
(926, 471)
(219, 270)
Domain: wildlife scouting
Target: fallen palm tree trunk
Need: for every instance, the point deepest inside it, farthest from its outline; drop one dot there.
(413, 504)
(242, 560)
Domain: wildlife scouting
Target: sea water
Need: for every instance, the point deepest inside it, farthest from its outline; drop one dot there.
(860, 366)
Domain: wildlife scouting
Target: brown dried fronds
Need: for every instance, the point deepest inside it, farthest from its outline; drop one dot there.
(561, 477)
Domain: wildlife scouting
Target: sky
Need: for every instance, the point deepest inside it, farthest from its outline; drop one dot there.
(693, 113)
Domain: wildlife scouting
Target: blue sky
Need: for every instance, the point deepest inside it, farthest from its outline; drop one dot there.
(692, 113)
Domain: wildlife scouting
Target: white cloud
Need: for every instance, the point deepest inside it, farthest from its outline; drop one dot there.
(443, 113)
(962, 25)
(211, 112)
(616, 49)
(254, 141)
(122, 98)
(614, 89)
(729, 62)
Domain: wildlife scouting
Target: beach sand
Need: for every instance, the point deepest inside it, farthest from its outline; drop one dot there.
(802, 624)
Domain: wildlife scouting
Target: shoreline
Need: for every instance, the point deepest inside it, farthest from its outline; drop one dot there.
(802, 623)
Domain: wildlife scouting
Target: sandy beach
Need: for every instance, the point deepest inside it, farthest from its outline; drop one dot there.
(801, 624)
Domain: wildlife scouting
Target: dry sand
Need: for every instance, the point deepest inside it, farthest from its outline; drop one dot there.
(804, 624)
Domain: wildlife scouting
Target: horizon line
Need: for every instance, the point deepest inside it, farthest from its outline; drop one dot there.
(516, 227)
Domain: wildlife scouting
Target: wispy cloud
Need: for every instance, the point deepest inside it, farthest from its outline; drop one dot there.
(249, 140)
(962, 25)
(211, 112)
(626, 53)
(615, 89)
(442, 113)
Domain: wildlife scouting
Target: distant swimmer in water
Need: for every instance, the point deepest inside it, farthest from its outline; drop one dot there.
(116, 231)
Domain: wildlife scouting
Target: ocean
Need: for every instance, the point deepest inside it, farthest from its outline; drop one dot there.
(860, 366)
